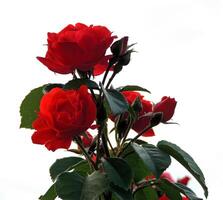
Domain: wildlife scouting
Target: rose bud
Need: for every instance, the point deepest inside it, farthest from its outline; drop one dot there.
(125, 59)
(137, 105)
(143, 120)
(167, 106)
(119, 47)
(87, 139)
(63, 115)
(76, 47)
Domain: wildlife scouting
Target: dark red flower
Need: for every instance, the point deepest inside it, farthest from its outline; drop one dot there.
(184, 180)
(167, 106)
(63, 115)
(87, 140)
(76, 47)
(164, 197)
(147, 107)
(102, 66)
(167, 176)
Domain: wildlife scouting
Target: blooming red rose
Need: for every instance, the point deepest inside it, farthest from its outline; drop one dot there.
(76, 47)
(147, 107)
(167, 106)
(87, 140)
(102, 66)
(63, 115)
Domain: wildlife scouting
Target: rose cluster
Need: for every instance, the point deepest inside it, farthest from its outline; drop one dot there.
(97, 117)
(65, 114)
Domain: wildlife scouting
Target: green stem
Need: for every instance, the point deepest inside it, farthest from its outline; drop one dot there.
(110, 80)
(143, 185)
(98, 148)
(79, 142)
(141, 133)
(135, 138)
(106, 73)
(93, 94)
(127, 131)
(110, 144)
(104, 141)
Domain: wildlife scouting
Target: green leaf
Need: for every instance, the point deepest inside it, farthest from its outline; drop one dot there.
(146, 193)
(140, 170)
(121, 194)
(62, 165)
(186, 160)
(173, 190)
(83, 168)
(76, 83)
(146, 158)
(132, 88)
(118, 172)
(161, 159)
(50, 86)
(187, 191)
(116, 101)
(50, 194)
(30, 107)
(70, 186)
(170, 190)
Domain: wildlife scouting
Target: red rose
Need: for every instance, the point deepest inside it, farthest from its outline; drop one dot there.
(76, 47)
(167, 176)
(167, 106)
(87, 140)
(184, 180)
(147, 107)
(63, 115)
(102, 66)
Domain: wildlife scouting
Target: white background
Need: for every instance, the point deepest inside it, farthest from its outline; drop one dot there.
(180, 48)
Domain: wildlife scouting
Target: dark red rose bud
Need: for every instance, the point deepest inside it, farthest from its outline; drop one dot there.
(87, 140)
(167, 106)
(119, 47)
(125, 59)
(64, 114)
(143, 120)
(137, 105)
(122, 125)
(76, 47)
(117, 68)
(156, 118)
(184, 180)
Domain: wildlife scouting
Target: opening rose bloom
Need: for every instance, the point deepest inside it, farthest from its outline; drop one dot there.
(76, 47)
(63, 115)
(167, 106)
